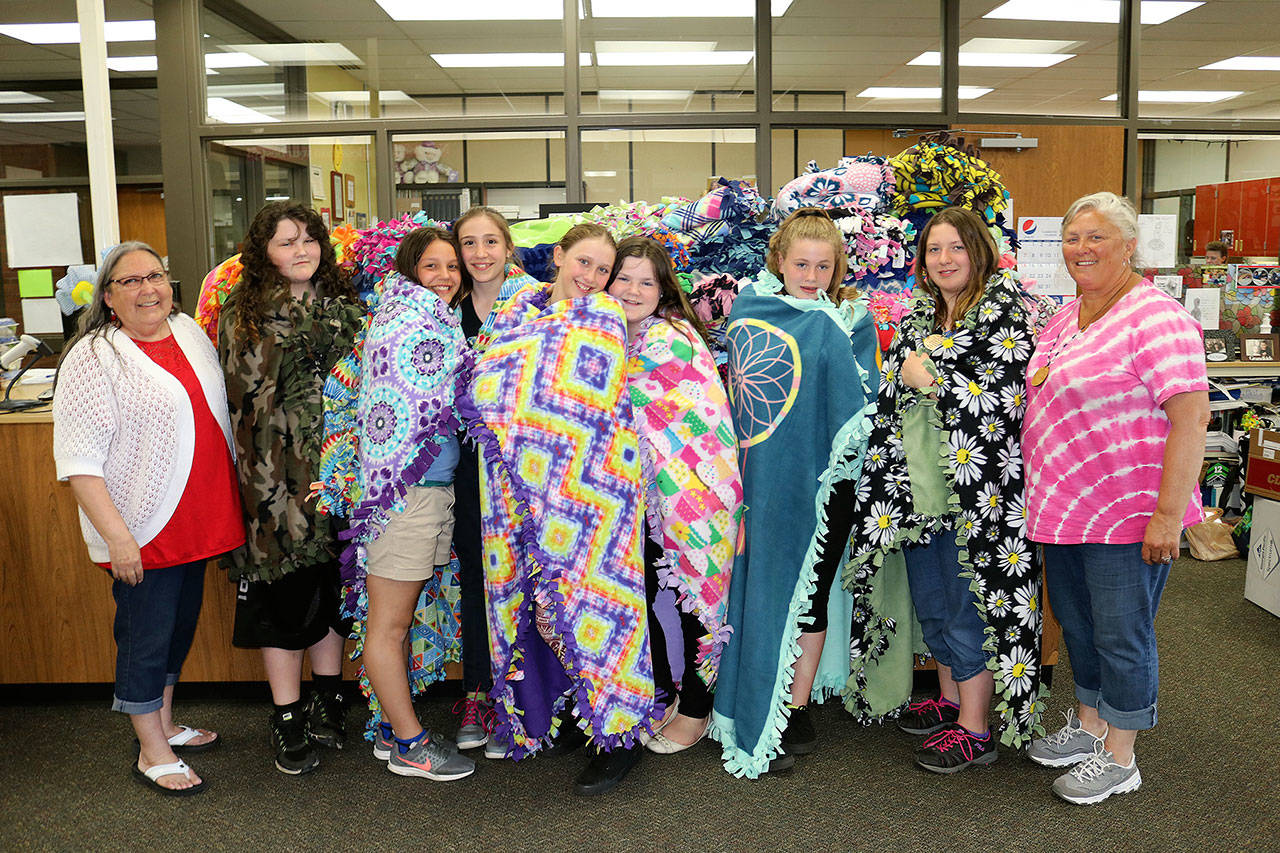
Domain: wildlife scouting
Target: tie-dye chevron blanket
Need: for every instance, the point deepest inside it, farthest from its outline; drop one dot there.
(802, 376)
(561, 522)
(213, 292)
(966, 480)
(691, 457)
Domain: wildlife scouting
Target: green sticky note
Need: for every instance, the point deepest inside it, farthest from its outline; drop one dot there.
(35, 284)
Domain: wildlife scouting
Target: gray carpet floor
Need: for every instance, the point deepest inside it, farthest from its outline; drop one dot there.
(1211, 777)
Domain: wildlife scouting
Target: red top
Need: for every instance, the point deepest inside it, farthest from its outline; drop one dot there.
(207, 521)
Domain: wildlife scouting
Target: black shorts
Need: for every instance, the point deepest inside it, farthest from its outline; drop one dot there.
(294, 612)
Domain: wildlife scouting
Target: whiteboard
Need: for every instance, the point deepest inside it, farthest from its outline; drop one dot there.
(42, 230)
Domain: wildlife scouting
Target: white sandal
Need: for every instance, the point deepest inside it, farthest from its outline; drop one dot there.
(182, 740)
(150, 777)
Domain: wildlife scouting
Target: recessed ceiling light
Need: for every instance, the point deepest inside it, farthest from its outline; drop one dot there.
(69, 33)
(1089, 11)
(988, 45)
(246, 90)
(308, 53)
(655, 9)
(644, 94)
(603, 173)
(221, 109)
(505, 60)
(362, 96)
(920, 93)
(131, 63)
(675, 57)
(1245, 63)
(22, 98)
(655, 46)
(995, 60)
(33, 118)
(232, 60)
(474, 10)
(1184, 96)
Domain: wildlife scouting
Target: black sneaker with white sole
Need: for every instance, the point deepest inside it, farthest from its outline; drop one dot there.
(295, 753)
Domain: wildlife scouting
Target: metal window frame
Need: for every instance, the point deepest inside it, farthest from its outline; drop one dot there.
(184, 132)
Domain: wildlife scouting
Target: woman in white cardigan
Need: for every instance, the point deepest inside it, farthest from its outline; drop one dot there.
(140, 430)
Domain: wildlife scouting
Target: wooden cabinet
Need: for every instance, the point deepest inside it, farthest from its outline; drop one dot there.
(1249, 208)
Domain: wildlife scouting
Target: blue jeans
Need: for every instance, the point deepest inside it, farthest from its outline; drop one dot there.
(1106, 599)
(947, 609)
(154, 626)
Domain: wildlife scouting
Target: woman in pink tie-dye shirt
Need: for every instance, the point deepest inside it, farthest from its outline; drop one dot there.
(1113, 439)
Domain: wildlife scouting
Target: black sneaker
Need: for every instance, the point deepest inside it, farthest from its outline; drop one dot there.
(800, 738)
(927, 716)
(954, 748)
(294, 753)
(569, 739)
(606, 769)
(781, 764)
(327, 719)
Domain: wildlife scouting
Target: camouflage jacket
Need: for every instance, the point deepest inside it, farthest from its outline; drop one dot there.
(273, 393)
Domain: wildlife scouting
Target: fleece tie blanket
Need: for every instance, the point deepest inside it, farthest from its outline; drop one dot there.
(953, 467)
(691, 457)
(561, 522)
(801, 374)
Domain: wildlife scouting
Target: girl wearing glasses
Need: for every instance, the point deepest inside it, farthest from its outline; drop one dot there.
(293, 314)
(140, 429)
(802, 366)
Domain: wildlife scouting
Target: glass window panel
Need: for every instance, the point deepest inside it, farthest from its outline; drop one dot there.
(1218, 60)
(645, 165)
(793, 148)
(829, 53)
(245, 174)
(1019, 62)
(322, 62)
(514, 171)
(638, 63)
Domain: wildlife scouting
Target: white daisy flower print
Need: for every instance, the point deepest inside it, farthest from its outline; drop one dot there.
(1013, 635)
(863, 494)
(882, 524)
(990, 374)
(967, 458)
(1014, 400)
(1010, 459)
(989, 501)
(1017, 669)
(999, 603)
(951, 418)
(987, 313)
(952, 345)
(1014, 556)
(874, 460)
(992, 429)
(1011, 344)
(1026, 604)
(976, 399)
(967, 521)
(1015, 514)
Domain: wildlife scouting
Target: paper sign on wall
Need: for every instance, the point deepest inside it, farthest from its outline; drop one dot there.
(42, 230)
(34, 284)
(41, 317)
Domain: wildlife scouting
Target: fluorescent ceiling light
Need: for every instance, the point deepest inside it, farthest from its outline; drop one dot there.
(505, 60)
(644, 94)
(22, 98)
(1245, 63)
(654, 9)
(362, 96)
(247, 90)
(606, 173)
(986, 45)
(655, 46)
(920, 93)
(675, 57)
(1180, 97)
(474, 10)
(31, 118)
(131, 63)
(69, 33)
(1089, 11)
(996, 60)
(231, 60)
(309, 53)
(221, 109)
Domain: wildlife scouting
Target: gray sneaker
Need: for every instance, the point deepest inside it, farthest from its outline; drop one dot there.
(384, 745)
(1096, 779)
(1069, 745)
(432, 760)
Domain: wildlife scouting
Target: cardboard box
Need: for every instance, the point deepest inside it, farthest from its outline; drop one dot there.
(1262, 473)
(1262, 573)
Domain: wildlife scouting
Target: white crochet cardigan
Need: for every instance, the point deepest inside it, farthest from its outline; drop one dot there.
(120, 416)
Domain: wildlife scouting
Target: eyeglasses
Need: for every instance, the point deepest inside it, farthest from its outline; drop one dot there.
(133, 282)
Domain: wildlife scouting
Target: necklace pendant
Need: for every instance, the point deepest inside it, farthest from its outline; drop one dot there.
(934, 341)
(1038, 378)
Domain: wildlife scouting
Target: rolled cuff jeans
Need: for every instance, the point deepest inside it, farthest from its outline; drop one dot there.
(154, 626)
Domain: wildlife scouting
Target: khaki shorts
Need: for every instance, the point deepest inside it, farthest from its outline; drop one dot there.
(417, 540)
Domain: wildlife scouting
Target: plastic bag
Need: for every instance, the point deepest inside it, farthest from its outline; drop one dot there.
(1211, 539)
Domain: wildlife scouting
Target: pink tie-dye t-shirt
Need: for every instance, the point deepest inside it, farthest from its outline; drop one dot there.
(1094, 433)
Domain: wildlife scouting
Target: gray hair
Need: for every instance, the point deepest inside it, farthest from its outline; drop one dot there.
(98, 316)
(1116, 209)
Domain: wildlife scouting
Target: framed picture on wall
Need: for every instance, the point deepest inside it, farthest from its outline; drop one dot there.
(1259, 347)
(337, 197)
(1219, 345)
(350, 190)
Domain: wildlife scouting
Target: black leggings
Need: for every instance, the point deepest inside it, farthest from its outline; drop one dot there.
(476, 673)
(831, 553)
(695, 698)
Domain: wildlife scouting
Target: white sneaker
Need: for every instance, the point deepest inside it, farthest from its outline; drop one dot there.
(1096, 779)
